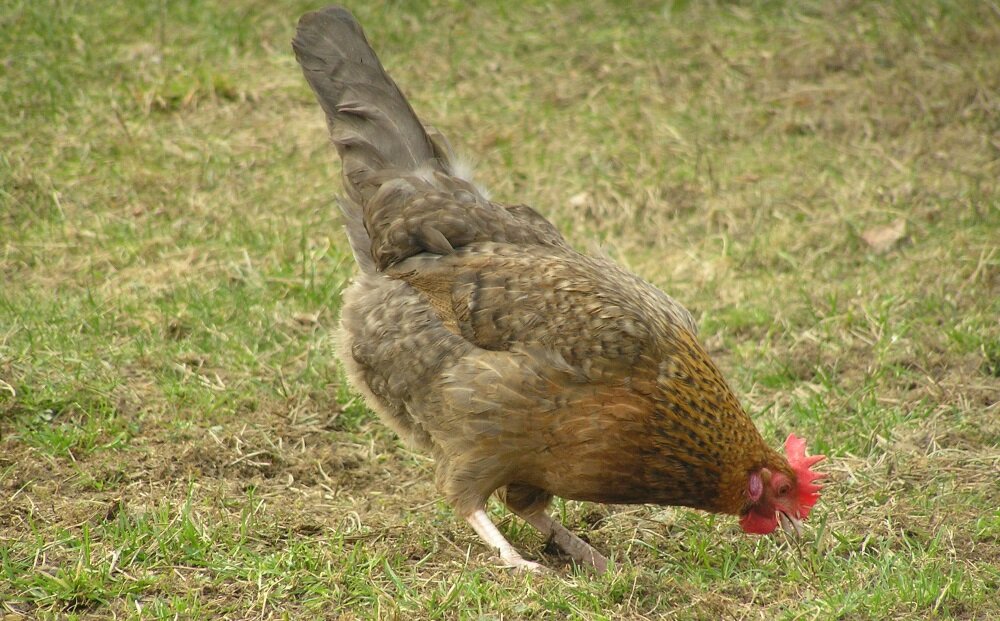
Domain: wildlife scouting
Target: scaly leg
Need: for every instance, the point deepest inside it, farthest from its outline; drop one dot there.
(578, 549)
(481, 523)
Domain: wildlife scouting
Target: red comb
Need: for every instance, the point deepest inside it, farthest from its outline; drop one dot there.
(808, 492)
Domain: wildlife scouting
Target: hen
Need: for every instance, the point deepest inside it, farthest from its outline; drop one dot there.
(525, 368)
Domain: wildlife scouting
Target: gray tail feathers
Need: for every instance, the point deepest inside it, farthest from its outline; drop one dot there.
(372, 125)
(357, 235)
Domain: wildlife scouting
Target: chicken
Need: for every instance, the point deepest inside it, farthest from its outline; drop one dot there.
(524, 367)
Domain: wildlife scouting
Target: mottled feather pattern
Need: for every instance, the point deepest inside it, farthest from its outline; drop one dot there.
(478, 334)
(437, 213)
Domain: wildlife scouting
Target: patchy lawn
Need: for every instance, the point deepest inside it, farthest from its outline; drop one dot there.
(817, 181)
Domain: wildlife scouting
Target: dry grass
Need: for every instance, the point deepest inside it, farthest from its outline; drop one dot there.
(175, 437)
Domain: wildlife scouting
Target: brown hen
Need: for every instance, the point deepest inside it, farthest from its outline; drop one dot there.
(525, 368)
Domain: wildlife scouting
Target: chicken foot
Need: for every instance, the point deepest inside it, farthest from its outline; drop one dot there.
(484, 527)
(580, 551)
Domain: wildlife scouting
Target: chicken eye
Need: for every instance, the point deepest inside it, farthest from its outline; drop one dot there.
(784, 489)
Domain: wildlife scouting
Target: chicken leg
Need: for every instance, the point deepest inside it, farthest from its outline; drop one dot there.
(481, 523)
(531, 505)
(580, 551)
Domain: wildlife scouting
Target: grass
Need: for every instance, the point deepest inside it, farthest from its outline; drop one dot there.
(176, 439)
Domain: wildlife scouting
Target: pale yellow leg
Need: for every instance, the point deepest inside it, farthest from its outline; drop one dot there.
(481, 523)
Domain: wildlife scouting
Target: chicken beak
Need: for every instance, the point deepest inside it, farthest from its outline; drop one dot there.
(791, 525)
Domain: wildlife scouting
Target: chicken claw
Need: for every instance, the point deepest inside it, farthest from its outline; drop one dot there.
(489, 533)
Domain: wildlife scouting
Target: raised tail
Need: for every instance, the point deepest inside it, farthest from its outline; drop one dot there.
(372, 125)
(406, 194)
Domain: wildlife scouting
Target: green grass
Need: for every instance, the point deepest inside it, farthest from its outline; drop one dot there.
(176, 438)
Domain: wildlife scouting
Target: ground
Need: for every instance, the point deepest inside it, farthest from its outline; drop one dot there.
(817, 181)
